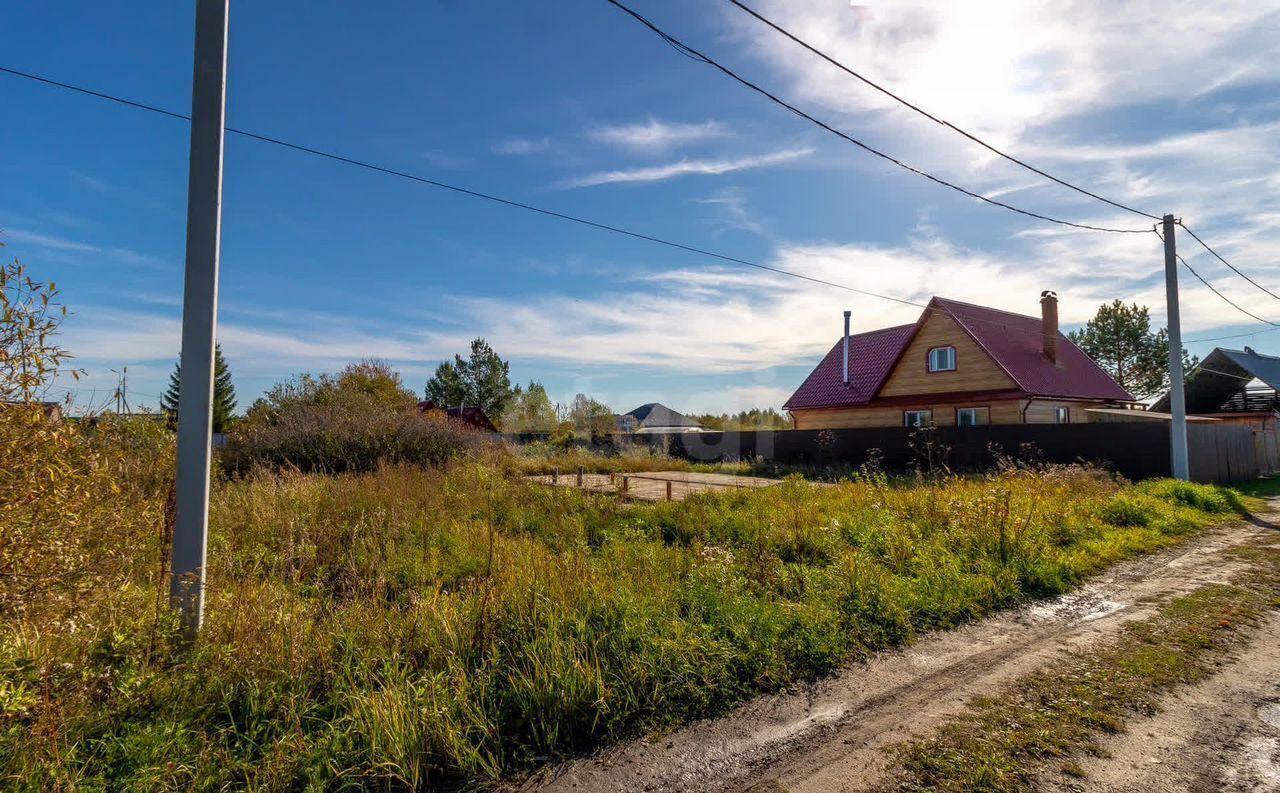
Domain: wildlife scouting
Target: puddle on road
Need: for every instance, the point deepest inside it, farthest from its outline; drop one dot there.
(1261, 755)
(1083, 606)
(782, 732)
(1270, 714)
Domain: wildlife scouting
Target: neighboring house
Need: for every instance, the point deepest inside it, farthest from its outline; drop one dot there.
(473, 417)
(959, 364)
(1237, 386)
(654, 418)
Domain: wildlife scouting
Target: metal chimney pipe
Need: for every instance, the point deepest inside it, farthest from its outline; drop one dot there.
(846, 347)
(1049, 324)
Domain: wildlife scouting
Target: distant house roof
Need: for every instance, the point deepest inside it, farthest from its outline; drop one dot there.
(471, 416)
(1012, 341)
(1221, 375)
(655, 414)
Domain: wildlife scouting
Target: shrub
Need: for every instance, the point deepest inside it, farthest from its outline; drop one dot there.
(81, 509)
(354, 421)
(1206, 498)
(1125, 510)
(340, 439)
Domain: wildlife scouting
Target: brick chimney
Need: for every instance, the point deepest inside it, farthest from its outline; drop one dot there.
(1049, 325)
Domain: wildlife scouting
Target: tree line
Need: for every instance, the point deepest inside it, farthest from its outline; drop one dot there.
(1119, 338)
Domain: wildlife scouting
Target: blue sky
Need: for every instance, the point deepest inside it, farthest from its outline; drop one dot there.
(573, 106)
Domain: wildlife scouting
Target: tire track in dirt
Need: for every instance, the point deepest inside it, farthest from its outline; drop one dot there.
(830, 736)
(1222, 734)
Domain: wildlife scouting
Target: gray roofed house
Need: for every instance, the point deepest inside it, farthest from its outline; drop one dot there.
(654, 418)
(1232, 383)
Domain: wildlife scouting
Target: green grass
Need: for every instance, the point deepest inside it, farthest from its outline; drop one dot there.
(1262, 487)
(1050, 718)
(413, 628)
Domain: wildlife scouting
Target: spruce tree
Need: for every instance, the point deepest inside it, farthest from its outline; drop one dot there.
(224, 393)
(481, 380)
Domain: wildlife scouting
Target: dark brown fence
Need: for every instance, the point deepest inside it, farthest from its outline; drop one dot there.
(1137, 450)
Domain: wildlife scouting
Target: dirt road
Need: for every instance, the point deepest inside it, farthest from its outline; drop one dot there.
(1220, 735)
(831, 736)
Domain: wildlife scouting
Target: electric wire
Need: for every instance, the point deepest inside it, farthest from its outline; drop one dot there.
(1231, 336)
(697, 55)
(464, 190)
(504, 201)
(1225, 299)
(943, 122)
(1219, 257)
(513, 204)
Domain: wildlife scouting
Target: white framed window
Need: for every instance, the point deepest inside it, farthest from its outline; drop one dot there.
(917, 418)
(1062, 415)
(942, 359)
(973, 417)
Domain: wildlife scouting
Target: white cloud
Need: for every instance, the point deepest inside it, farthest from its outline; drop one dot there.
(654, 135)
(1073, 89)
(521, 146)
(48, 241)
(726, 321)
(731, 207)
(136, 259)
(737, 398)
(997, 67)
(708, 167)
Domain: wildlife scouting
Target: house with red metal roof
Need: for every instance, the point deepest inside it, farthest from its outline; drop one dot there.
(472, 416)
(958, 364)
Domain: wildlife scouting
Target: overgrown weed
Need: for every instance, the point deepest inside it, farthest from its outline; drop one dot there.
(413, 627)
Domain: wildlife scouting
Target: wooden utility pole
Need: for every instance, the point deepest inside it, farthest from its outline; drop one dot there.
(199, 314)
(1177, 398)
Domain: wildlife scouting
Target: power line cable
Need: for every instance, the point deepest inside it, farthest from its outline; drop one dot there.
(1225, 299)
(461, 190)
(932, 117)
(1205, 245)
(496, 199)
(1231, 336)
(697, 55)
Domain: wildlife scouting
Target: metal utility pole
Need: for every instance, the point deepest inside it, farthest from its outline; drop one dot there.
(199, 313)
(1177, 398)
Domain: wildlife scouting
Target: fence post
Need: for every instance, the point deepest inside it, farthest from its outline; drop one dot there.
(668, 490)
(555, 476)
(580, 476)
(626, 483)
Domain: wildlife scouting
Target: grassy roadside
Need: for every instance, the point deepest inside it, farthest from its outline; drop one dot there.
(419, 628)
(1047, 718)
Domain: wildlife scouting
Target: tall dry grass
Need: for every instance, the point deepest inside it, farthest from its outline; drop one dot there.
(414, 627)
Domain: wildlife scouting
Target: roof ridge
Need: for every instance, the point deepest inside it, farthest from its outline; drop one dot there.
(1251, 351)
(986, 308)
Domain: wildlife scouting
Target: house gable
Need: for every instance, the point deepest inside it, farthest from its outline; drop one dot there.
(975, 369)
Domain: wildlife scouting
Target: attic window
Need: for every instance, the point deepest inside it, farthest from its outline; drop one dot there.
(942, 359)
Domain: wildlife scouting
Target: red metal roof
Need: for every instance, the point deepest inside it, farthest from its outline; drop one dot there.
(1012, 340)
(871, 356)
(473, 417)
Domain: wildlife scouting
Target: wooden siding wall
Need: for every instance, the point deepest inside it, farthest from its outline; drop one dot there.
(1004, 411)
(975, 371)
